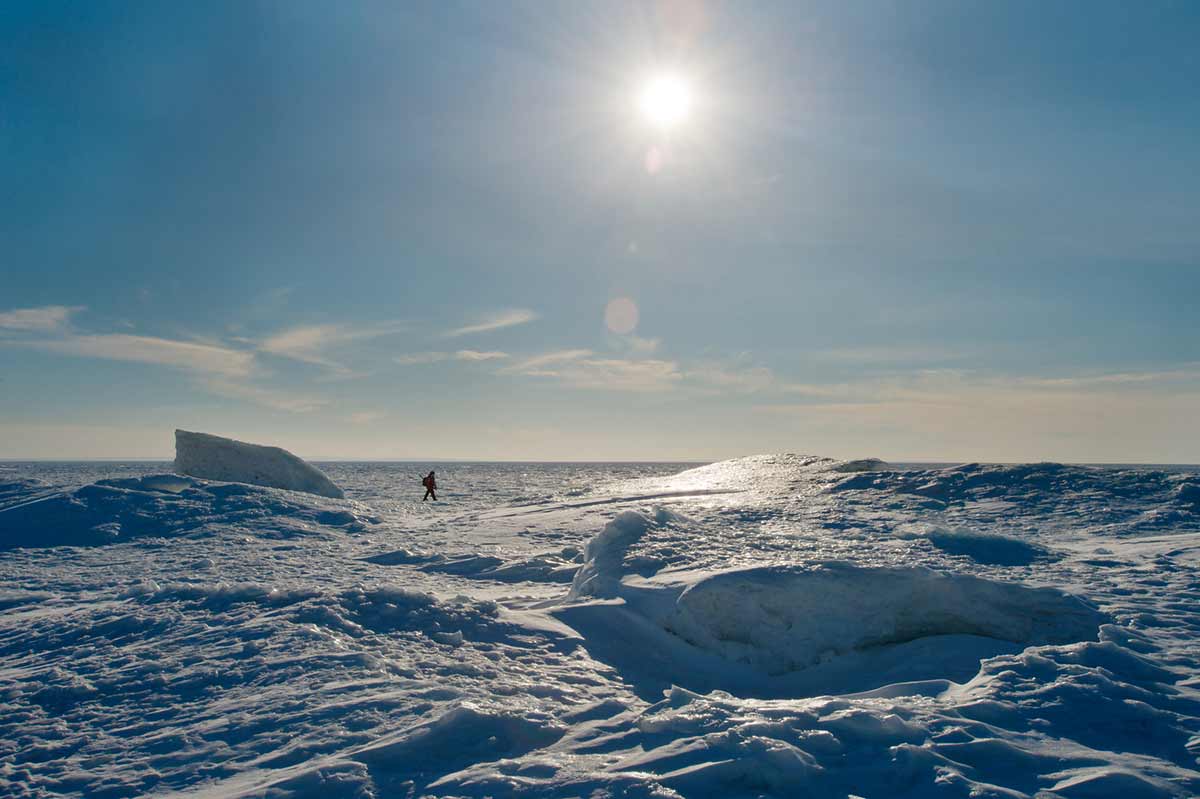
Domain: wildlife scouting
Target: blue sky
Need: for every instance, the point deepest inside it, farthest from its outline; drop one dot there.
(925, 230)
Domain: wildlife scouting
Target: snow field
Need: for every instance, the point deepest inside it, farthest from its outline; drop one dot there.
(772, 626)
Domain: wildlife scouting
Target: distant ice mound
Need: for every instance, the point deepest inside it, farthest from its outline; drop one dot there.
(216, 458)
(861, 465)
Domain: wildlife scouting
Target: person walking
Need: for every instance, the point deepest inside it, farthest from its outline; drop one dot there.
(430, 483)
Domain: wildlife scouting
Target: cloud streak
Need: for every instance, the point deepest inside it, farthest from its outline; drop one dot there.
(473, 356)
(946, 414)
(582, 370)
(310, 343)
(46, 319)
(476, 355)
(187, 355)
(534, 364)
(496, 321)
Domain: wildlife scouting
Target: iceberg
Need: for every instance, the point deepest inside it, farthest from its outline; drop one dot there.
(215, 458)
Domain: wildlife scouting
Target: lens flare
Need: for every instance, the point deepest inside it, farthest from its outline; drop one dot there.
(621, 316)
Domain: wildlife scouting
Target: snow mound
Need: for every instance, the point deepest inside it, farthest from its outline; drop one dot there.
(543, 567)
(464, 735)
(1124, 502)
(604, 558)
(166, 505)
(1188, 493)
(990, 548)
(781, 619)
(216, 458)
(21, 491)
(422, 760)
(602, 569)
(388, 609)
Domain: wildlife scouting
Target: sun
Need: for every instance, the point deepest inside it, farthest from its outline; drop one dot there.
(665, 101)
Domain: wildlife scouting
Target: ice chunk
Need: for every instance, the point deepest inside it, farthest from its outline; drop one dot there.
(216, 458)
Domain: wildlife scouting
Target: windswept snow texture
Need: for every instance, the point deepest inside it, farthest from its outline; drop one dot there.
(165, 505)
(216, 458)
(773, 626)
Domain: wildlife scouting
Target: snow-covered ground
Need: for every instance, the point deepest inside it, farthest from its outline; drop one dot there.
(770, 626)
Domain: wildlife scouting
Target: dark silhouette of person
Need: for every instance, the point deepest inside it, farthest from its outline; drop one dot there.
(430, 483)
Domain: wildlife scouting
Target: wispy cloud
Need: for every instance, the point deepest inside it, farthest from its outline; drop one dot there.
(188, 355)
(476, 355)
(1186, 372)
(496, 321)
(302, 343)
(537, 362)
(617, 374)
(310, 343)
(941, 388)
(46, 319)
(946, 414)
(217, 367)
(268, 398)
(737, 378)
(580, 369)
(419, 358)
(891, 354)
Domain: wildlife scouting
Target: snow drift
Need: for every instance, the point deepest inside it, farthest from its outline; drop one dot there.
(216, 458)
(165, 506)
(800, 630)
(784, 618)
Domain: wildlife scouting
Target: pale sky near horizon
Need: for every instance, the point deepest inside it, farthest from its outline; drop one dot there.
(935, 230)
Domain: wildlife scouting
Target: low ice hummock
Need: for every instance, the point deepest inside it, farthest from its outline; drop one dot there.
(216, 458)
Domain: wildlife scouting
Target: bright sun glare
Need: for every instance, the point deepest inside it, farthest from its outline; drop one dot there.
(665, 100)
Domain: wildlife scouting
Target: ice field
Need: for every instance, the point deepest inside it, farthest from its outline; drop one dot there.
(776, 626)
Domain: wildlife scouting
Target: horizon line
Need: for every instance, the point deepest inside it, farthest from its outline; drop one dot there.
(325, 459)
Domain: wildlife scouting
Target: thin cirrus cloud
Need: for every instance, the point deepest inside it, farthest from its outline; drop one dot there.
(46, 319)
(1025, 412)
(536, 364)
(275, 400)
(496, 321)
(1006, 393)
(420, 358)
(890, 355)
(580, 369)
(476, 355)
(310, 343)
(217, 368)
(188, 355)
(736, 378)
